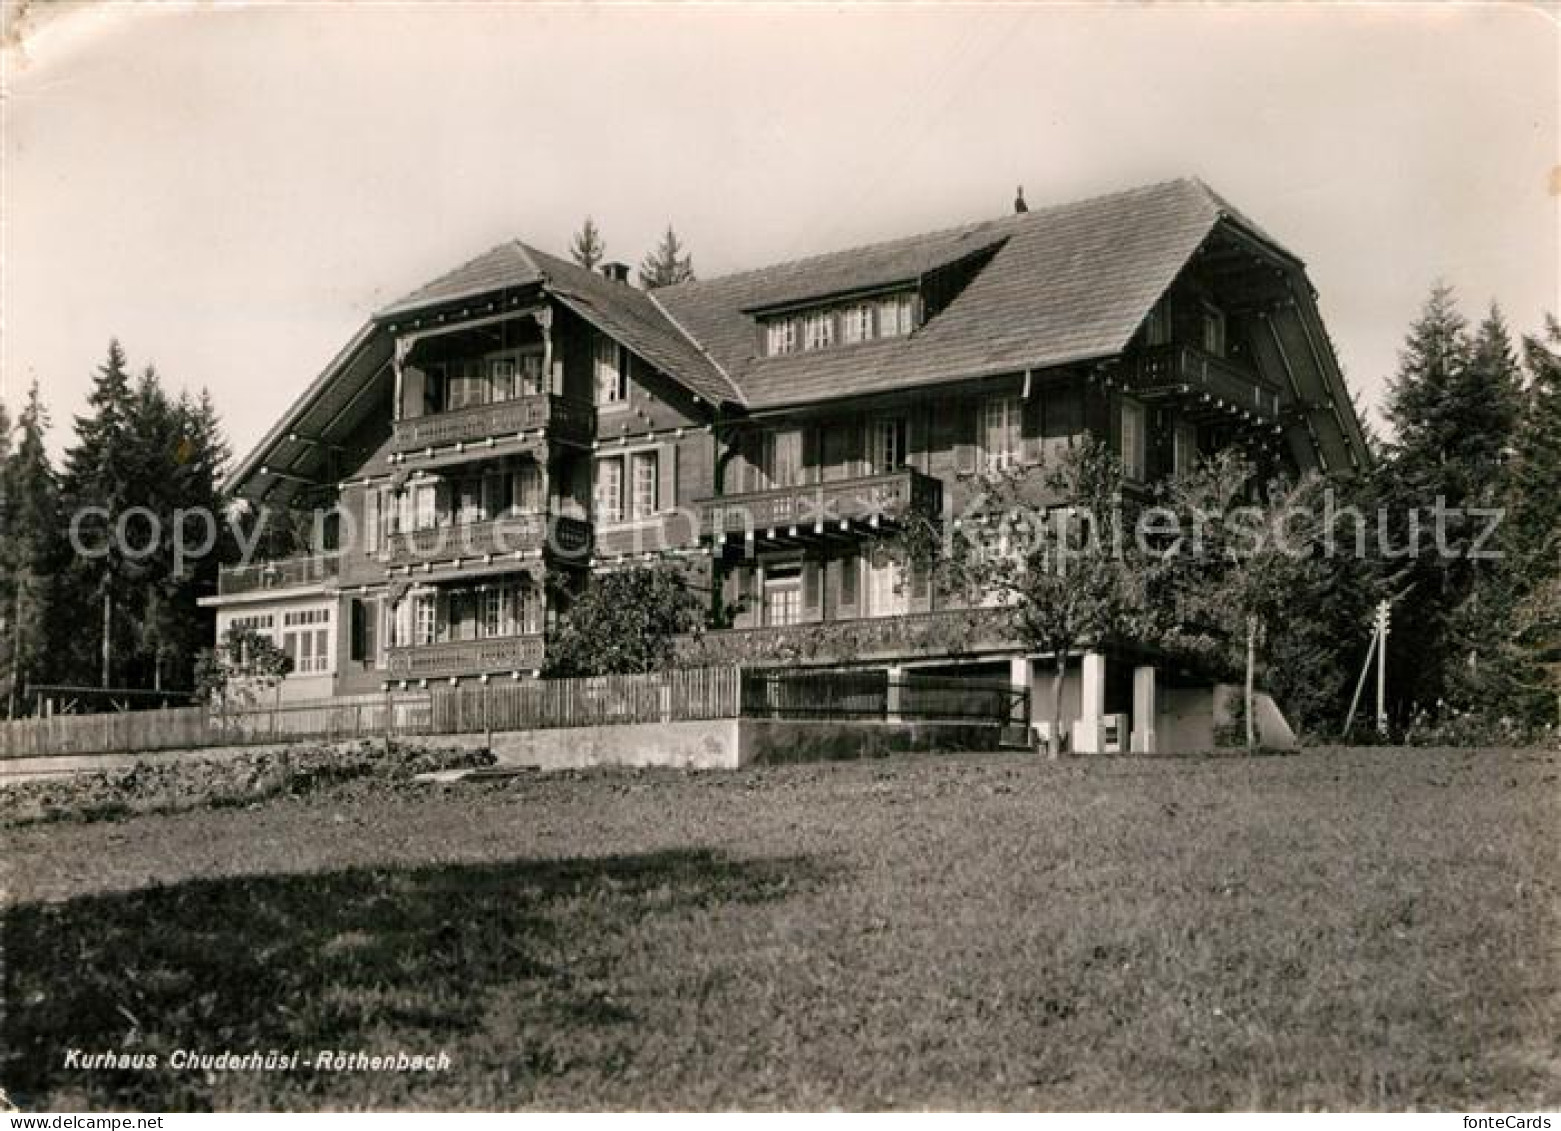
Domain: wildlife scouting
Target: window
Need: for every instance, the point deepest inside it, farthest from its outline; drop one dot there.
(1157, 327)
(1213, 330)
(528, 375)
(1131, 439)
(609, 490)
(894, 316)
(611, 387)
(783, 594)
(780, 336)
(780, 457)
(468, 385)
(1000, 431)
(819, 330)
(306, 638)
(425, 502)
(501, 379)
(526, 490)
(885, 588)
(424, 618)
(468, 506)
(365, 631)
(258, 623)
(1184, 447)
(643, 496)
(888, 436)
(856, 323)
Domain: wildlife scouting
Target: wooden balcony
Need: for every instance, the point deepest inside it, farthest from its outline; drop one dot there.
(283, 573)
(560, 535)
(499, 654)
(821, 507)
(947, 632)
(1179, 371)
(507, 420)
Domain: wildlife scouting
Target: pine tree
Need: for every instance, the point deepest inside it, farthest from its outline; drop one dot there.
(1454, 407)
(30, 554)
(99, 473)
(668, 264)
(587, 247)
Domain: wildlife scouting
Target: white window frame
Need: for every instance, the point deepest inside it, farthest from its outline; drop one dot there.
(885, 587)
(1184, 447)
(856, 323)
(818, 330)
(1002, 432)
(780, 336)
(1157, 326)
(644, 473)
(609, 372)
(890, 447)
(607, 497)
(789, 587)
(1132, 441)
(896, 316)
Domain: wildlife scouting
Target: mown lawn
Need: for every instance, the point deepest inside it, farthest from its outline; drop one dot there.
(1336, 929)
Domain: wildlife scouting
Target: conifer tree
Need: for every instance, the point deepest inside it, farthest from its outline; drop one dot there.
(30, 554)
(670, 263)
(587, 247)
(98, 473)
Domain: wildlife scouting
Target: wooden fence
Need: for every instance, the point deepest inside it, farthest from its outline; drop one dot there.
(701, 693)
(662, 697)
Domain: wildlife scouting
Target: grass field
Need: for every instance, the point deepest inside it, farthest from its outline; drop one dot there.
(1332, 930)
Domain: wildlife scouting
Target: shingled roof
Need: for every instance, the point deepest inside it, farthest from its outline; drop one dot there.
(1063, 284)
(1067, 283)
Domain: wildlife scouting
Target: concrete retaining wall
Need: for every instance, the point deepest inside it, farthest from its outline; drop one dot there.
(707, 745)
(805, 740)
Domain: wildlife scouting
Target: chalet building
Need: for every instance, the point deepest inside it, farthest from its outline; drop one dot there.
(492, 438)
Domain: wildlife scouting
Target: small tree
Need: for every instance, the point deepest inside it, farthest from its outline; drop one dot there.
(587, 247)
(1054, 562)
(244, 665)
(668, 264)
(625, 622)
(1245, 563)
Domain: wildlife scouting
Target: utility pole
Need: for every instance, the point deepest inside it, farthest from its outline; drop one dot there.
(108, 620)
(1383, 620)
(16, 649)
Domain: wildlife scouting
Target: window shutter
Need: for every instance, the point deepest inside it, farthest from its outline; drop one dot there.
(810, 590)
(966, 417)
(371, 519)
(855, 453)
(916, 438)
(370, 632)
(358, 631)
(810, 454)
(413, 396)
(850, 571)
(1034, 424)
(667, 475)
(748, 616)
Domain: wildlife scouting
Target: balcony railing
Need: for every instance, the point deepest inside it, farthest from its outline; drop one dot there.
(466, 657)
(947, 632)
(812, 505)
(1166, 369)
(558, 534)
(567, 419)
(283, 573)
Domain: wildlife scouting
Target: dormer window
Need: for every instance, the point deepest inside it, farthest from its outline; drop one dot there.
(894, 316)
(856, 323)
(781, 337)
(819, 330)
(891, 316)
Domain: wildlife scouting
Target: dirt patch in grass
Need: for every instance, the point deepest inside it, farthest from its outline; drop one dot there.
(237, 780)
(1339, 929)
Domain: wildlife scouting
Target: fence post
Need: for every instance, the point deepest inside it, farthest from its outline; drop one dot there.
(487, 720)
(390, 720)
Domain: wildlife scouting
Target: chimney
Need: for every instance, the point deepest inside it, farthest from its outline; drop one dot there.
(617, 272)
(1019, 204)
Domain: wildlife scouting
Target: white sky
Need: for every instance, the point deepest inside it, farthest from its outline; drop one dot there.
(232, 190)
